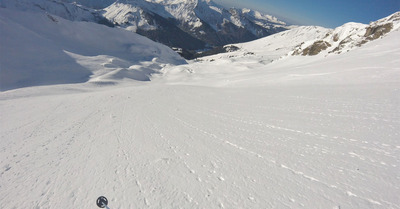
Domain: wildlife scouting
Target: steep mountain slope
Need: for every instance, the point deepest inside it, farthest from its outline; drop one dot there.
(186, 24)
(203, 20)
(135, 17)
(39, 49)
(67, 11)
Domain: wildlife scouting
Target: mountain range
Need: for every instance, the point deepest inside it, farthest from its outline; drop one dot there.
(311, 41)
(87, 46)
(185, 24)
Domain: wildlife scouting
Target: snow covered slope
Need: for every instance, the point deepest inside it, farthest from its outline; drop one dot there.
(303, 133)
(264, 61)
(309, 41)
(349, 36)
(271, 48)
(67, 11)
(40, 49)
(252, 129)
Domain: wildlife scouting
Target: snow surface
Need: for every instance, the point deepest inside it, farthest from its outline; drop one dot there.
(67, 11)
(236, 132)
(41, 49)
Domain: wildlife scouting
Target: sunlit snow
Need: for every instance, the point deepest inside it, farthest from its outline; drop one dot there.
(252, 129)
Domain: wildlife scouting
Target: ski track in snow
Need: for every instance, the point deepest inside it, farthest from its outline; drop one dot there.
(161, 146)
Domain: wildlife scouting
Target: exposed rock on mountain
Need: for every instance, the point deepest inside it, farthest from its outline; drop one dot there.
(192, 24)
(187, 24)
(315, 48)
(308, 41)
(349, 36)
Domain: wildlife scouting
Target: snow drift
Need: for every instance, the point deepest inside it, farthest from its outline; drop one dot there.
(40, 49)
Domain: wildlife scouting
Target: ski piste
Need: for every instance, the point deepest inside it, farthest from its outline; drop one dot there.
(102, 202)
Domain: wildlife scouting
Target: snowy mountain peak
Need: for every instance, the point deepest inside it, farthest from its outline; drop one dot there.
(348, 36)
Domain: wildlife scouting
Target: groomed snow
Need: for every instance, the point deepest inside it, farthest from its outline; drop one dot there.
(236, 132)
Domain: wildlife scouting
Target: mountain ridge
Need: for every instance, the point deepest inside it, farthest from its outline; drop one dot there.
(311, 41)
(189, 25)
(203, 20)
(78, 44)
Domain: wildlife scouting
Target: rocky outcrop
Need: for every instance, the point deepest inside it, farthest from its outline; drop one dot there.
(314, 49)
(348, 37)
(375, 32)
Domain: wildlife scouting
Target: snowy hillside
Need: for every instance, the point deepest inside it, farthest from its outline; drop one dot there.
(349, 36)
(67, 11)
(271, 48)
(254, 128)
(308, 41)
(41, 49)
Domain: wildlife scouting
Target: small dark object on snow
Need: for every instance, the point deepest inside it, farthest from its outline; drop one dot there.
(102, 202)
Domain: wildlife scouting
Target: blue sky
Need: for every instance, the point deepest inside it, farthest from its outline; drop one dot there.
(327, 13)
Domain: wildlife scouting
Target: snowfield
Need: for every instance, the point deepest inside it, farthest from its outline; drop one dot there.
(261, 130)
(43, 49)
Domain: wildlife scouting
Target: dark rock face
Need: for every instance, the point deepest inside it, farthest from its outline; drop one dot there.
(191, 54)
(170, 34)
(316, 48)
(375, 32)
(313, 49)
(342, 44)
